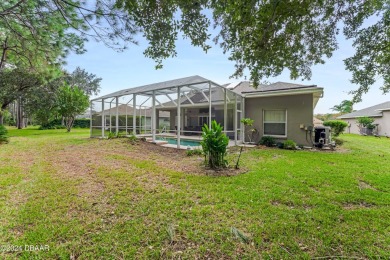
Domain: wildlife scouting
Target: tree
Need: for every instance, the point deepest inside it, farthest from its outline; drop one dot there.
(37, 92)
(87, 82)
(71, 101)
(346, 106)
(268, 37)
(40, 102)
(14, 84)
(372, 44)
(265, 37)
(38, 33)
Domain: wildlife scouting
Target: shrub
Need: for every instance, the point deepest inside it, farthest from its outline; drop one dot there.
(337, 126)
(194, 152)
(112, 135)
(366, 121)
(52, 127)
(57, 124)
(268, 141)
(214, 145)
(289, 145)
(3, 135)
(82, 123)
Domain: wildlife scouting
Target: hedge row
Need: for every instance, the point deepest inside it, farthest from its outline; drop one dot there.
(57, 124)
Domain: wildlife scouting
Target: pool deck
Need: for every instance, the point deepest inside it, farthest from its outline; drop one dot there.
(182, 137)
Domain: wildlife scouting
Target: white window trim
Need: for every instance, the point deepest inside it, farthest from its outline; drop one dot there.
(285, 127)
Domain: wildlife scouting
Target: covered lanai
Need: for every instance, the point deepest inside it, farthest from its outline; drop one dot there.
(176, 108)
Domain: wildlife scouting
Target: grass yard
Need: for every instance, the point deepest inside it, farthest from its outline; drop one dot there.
(108, 199)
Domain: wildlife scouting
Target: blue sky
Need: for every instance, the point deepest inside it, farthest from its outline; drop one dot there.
(131, 69)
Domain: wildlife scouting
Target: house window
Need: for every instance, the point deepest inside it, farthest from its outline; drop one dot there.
(275, 122)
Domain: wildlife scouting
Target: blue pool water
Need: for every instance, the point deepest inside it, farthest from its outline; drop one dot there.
(184, 142)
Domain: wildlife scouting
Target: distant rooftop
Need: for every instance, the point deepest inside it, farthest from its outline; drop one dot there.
(374, 111)
(128, 110)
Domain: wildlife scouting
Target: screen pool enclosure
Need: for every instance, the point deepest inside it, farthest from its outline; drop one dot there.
(176, 108)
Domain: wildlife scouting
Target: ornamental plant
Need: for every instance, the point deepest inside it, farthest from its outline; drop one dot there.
(214, 143)
(252, 132)
(337, 126)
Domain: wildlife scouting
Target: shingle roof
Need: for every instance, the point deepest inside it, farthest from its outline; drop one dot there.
(246, 87)
(240, 88)
(122, 111)
(374, 111)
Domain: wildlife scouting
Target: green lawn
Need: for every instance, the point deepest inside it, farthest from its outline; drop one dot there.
(108, 199)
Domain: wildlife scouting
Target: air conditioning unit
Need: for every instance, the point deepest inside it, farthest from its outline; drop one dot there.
(322, 136)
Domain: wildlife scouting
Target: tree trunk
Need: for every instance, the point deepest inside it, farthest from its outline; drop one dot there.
(69, 123)
(19, 122)
(4, 54)
(2, 108)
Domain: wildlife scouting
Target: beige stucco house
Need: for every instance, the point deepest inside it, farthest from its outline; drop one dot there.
(380, 113)
(281, 110)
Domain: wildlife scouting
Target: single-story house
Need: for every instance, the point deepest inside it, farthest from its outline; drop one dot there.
(282, 110)
(380, 113)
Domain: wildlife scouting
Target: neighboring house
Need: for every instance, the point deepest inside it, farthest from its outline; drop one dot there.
(380, 113)
(86, 114)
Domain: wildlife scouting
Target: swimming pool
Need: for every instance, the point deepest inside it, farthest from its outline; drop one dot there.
(184, 142)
